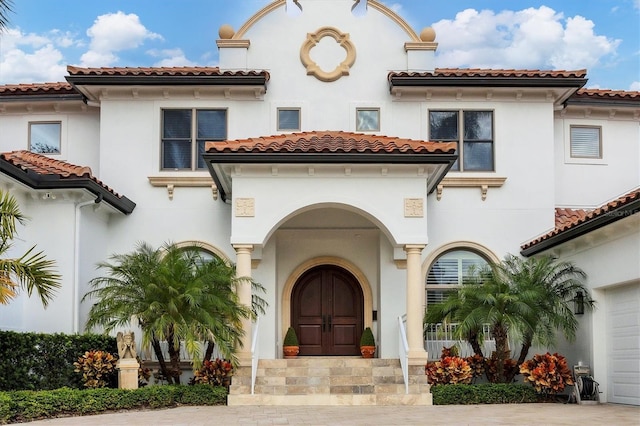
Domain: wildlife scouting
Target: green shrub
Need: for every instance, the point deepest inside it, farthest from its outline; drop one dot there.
(36, 361)
(367, 338)
(485, 393)
(25, 406)
(290, 339)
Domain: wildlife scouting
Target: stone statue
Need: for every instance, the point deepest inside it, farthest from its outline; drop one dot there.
(126, 345)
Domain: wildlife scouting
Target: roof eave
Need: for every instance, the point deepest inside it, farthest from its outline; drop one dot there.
(603, 102)
(583, 228)
(435, 81)
(39, 181)
(173, 80)
(41, 98)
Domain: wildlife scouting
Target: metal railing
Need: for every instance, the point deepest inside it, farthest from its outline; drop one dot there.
(403, 350)
(254, 354)
(442, 335)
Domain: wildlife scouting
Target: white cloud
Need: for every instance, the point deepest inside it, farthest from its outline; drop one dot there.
(529, 38)
(31, 58)
(112, 33)
(635, 86)
(170, 58)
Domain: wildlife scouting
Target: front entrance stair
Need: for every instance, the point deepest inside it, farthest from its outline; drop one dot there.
(329, 381)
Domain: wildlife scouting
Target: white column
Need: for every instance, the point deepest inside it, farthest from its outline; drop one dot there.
(243, 269)
(415, 303)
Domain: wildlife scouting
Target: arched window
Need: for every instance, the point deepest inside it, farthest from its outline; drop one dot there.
(449, 271)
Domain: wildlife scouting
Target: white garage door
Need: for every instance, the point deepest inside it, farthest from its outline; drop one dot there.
(623, 323)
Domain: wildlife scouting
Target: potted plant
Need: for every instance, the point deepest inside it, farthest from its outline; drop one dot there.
(367, 343)
(290, 346)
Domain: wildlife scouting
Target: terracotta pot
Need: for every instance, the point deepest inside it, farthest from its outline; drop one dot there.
(367, 351)
(290, 351)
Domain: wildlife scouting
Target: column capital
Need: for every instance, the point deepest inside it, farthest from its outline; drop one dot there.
(240, 248)
(414, 248)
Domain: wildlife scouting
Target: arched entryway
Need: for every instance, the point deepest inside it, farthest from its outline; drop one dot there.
(327, 311)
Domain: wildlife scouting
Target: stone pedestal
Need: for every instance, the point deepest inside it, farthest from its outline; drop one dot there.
(127, 373)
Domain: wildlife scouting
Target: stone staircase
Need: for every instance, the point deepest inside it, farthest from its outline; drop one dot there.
(329, 381)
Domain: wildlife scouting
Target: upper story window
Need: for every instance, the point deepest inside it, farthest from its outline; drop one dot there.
(367, 119)
(586, 142)
(472, 130)
(184, 132)
(44, 137)
(289, 119)
(450, 271)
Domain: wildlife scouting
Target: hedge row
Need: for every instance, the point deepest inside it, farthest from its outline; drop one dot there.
(35, 361)
(485, 393)
(25, 406)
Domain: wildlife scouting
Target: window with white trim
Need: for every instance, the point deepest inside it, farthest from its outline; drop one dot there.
(184, 132)
(472, 130)
(586, 141)
(289, 119)
(449, 271)
(45, 137)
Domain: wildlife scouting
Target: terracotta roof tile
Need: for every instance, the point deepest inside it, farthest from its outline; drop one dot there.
(567, 219)
(480, 72)
(37, 89)
(43, 165)
(331, 142)
(607, 94)
(157, 71)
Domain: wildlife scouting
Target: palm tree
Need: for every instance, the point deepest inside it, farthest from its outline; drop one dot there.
(176, 296)
(526, 301)
(31, 270)
(5, 9)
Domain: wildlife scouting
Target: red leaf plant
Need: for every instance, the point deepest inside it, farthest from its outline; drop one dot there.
(549, 374)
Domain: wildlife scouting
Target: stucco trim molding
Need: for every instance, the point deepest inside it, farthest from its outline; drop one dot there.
(470, 182)
(287, 291)
(205, 246)
(172, 182)
(313, 39)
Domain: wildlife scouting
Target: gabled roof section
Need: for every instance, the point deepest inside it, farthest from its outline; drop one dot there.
(164, 75)
(38, 91)
(479, 77)
(327, 147)
(572, 223)
(41, 172)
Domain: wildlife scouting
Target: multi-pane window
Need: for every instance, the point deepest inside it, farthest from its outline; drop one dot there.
(472, 130)
(288, 119)
(449, 272)
(184, 132)
(44, 137)
(367, 119)
(586, 142)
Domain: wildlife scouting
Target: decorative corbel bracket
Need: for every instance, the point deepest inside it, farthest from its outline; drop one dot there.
(172, 182)
(483, 183)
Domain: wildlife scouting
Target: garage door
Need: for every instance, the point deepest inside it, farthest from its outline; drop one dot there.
(623, 323)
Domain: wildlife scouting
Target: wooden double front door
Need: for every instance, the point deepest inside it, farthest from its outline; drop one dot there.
(327, 312)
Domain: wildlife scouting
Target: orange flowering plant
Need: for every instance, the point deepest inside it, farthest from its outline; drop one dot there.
(549, 374)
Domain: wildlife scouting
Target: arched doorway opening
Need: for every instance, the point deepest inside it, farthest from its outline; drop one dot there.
(327, 311)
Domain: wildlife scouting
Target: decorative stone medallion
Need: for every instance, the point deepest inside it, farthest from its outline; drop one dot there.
(313, 68)
(413, 207)
(245, 207)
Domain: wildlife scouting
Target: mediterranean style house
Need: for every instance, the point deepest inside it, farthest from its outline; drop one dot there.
(334, 164)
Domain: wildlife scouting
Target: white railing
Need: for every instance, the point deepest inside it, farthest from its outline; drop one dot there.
(403, 347)
(442, 335)
(254, 354)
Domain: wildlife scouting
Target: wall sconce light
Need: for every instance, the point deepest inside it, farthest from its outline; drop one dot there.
(578, 303)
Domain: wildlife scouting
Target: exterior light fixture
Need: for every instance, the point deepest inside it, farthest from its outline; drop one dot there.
(578, 303)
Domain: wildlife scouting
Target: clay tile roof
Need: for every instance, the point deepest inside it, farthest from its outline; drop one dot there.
(157, 71)
(58, 174)
(480, 72)
(37, 89)
(607, 94)
(331, 142)
(567, 219)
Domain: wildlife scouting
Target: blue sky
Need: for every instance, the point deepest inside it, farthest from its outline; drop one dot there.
(44, 36)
